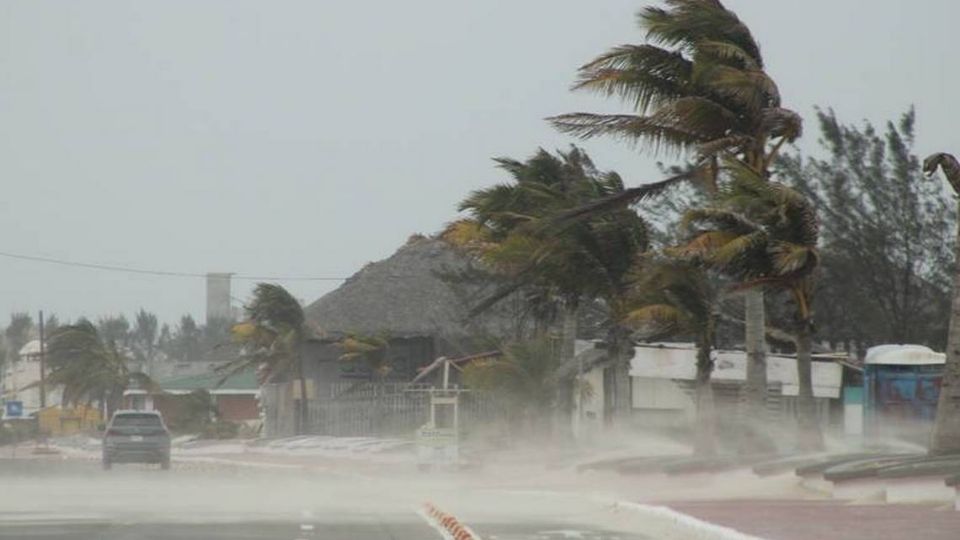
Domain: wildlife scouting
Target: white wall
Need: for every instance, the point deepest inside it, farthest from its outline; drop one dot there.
(21, 373)
(853, 418)
(662, 394)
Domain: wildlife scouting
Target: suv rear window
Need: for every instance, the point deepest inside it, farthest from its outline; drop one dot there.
(139, 420)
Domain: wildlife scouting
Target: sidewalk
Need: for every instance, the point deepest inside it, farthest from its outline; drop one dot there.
(815, 520)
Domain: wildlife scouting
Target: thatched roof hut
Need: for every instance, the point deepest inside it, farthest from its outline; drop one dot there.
(425, 289)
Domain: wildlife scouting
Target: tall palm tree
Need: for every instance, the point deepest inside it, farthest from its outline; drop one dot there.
(675, 297)
(765, 234)
(699, 84)
(272, 338)
(90, 368)
(946, 431)
(510, 228)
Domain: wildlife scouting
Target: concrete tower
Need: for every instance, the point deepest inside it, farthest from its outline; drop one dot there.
(218, 296)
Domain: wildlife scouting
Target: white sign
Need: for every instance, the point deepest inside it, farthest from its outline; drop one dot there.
(437, 446)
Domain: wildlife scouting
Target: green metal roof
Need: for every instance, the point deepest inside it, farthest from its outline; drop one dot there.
(246, 380)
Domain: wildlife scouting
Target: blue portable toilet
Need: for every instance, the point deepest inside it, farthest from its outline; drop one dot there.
(901, 384)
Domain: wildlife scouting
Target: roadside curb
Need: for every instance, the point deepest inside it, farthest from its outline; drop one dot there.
(697, 529)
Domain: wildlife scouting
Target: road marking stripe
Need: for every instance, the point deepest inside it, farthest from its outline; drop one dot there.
(698, 529)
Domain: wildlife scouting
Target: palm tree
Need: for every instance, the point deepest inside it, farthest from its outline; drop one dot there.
(699, 84)
(272, 338)
(765, 234)
(511, 229)
(675, 297)
(90, 368)
(372, 350)
(525, 379)
(946, 430)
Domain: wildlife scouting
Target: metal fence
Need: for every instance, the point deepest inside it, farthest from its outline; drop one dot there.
(384, 410)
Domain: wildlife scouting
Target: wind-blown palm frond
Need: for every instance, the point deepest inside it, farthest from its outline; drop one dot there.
(780, 122)
(270, 338)
(750, 90)
(550, 253)
(688, 23)
(761, 233)
(626, 197)
(658, 320)
(948, 164)
(698, 84)
(651, 131)
(369, 349)
(88, 368)
(526, 377)
(642, 75)
(272, 306)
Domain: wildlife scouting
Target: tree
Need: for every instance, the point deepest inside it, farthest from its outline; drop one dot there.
(185, 342)
(525, 381)
(145, 335)
(887, 235)
(512, 229)
(673, 297)
(115, 329)
(215, 333)
(51, 324)
(699, 85)
(18, 333)
(765, 234)
(371, 350)
(89, 367)
(946, 429)
(272, 338)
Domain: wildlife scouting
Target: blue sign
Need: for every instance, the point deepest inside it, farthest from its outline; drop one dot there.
(14, 409)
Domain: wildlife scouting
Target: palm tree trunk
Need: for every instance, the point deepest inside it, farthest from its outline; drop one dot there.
(569, 400)
(623, 400)
(946, 428)
(304, 405)
(810, 437)
(755, 391)
(705, 438)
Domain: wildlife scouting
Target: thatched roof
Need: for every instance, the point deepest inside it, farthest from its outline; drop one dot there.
(411, 294)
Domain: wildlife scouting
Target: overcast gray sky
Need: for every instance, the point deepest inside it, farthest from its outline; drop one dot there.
(310, 137)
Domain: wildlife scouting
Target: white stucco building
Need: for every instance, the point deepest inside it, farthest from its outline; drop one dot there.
(662, 379)
(18, 374)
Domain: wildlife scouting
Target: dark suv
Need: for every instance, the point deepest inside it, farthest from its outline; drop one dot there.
(136, 437)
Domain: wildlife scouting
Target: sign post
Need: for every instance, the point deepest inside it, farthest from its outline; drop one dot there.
(13, 409)
(438, 440)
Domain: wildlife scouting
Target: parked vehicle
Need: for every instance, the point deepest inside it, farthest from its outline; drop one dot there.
(136, 437)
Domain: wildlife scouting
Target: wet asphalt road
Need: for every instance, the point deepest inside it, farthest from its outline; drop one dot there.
(375, 529)
(71, 500)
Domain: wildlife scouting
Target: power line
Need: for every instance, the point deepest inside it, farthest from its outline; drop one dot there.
(129, 270)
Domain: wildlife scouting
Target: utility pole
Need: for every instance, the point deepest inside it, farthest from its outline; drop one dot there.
(43, 366)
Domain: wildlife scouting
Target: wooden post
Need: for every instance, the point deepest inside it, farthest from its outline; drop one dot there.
(43, 367)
